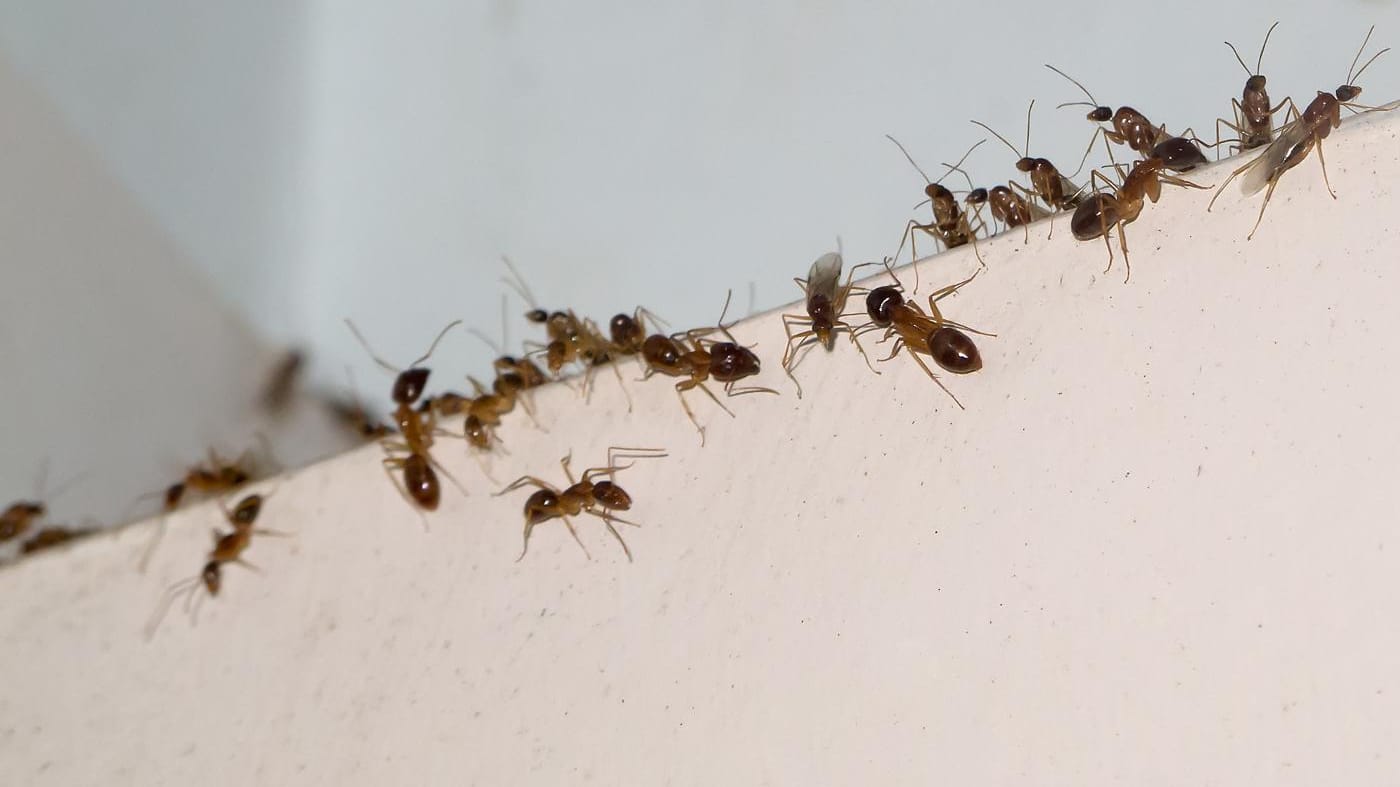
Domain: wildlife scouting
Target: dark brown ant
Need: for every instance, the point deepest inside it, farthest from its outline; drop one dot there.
(415, 430)
(228, 548)
(1008, 206)
(1254, 115)
(943, 340)
(950, 225)
(825, 299)
(1303, 133)
(692, 356)
(1130, 127)
(282, 383)
(1052, 188)
(1121, 206)
(585, 496)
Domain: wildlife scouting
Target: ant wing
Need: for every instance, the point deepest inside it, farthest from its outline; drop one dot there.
(824, 275)
(1272, 160)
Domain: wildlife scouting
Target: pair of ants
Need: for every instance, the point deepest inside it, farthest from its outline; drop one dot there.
(1102, 205)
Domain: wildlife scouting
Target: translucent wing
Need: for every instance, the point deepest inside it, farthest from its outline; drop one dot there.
(1281, 154)
(824, 276)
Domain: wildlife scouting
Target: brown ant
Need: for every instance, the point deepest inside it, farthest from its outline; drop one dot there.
(943, 340)
(1008, 206)
(950, 225)
(52, 536)
(20, 515)
(825, 298)
(1121, 206)
(696, 358)
(347, 409)
(416, 429)
(215, 478)
(1298, 138)
(1047, 183)
(585, 496)
(1132, 128)
(1254, 116)
(228, 548)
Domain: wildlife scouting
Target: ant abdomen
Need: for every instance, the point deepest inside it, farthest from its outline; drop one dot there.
(625, 332)
(1093, 217)
(661, 351)
(409, 385)
(1179, 154)
(880, 302)
(954, 351)
(421, 481)
(610, 495)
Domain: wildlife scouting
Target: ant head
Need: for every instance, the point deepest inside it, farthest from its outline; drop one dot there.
(610, 495)
(1346, 93)
(1025, 164)
(541, 506)
(23, 509)
(881, 301)
(977, 197)
(1255, 84)
(173, 494)
(211, 578)
(508, 384)
(938, 193)
(408, 386)
(822, 314)
(624, 330)
(730, 361)
(539, 316)
(662, 353)
(954, 351)
(247, 510)
(1100, 114)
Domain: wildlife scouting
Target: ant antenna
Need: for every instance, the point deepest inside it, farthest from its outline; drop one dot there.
(518, 283)
(1351, 78)
(434, 345)
(365, 344)
(1028, 128)
(998, 136)
(910, 158)
(1093, 102)
(964, 158)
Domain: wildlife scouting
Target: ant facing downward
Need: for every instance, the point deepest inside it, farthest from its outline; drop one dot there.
(584, 496)
(415, 429)
(943, 340)
(825, 298)
(950, 224)
(1301, 135)
(228, 548)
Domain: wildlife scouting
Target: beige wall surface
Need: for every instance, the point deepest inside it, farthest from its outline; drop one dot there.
(1154, 549)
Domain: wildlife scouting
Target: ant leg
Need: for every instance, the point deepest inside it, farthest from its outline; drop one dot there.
(186, 586)
(1221, 190)
(730, 390)
(151, 545)
(620, 384)
(1267, 195)
(1323, 161)
(608, 520)
(789, 351)
(526, 480)
(681, 387)
(574, 532)
(1123, 244)
(389, 465)
(934, 378)
(711, 394)
(898, 345)
(855, 339)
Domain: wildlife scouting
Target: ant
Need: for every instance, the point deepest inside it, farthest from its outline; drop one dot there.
(950, 225)
(216, 478)
(1301, 135)
(1132, 128)
(1121, 206)
(1254, 117)
(1047, 183)
(1008, 207)
(585, 496)
(228, 548)
(726, 362)
(929, 334)
(52, 536)
(416, 429)
(825, 298)
(348, 410)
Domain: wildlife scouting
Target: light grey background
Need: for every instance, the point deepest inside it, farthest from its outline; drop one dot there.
(278, 166)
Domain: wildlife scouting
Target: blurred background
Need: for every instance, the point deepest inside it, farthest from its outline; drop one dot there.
(190, 189)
